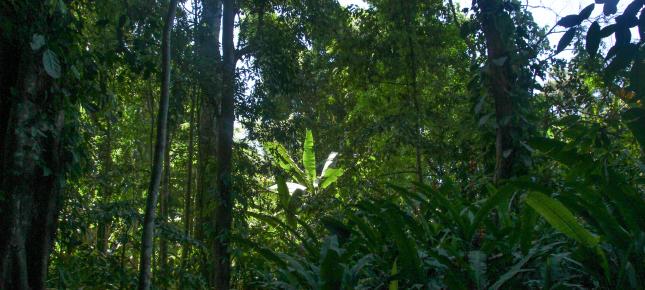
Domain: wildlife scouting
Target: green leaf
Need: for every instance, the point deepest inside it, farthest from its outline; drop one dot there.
(517, 268)
(309, 158)
(263, 251)
(283, 192)
(284, 161)
(593, 39)
(51, 64)
(37, 41)
(394, 284)
(569, 21)
(306, 276)
(560, 218)
(565, 40)
(607, 30)
(477, 261)
(586, 12)
(406, 246)
(331, 175)
(331, 272)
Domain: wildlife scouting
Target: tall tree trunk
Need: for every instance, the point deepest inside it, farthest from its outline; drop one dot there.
(224, 205)
(165, 206)
(189, 184)
(162, 127)
(413, 96)
(499, 43)
(103, 229)
(208, 68)
(32, 180)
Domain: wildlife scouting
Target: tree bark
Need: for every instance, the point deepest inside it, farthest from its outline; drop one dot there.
(499, 46)
(32, 179)
(224, 205)
(165, 206)
(189, 184)
(162, 127)
(414, 92)
(103, 229)
(209, 78)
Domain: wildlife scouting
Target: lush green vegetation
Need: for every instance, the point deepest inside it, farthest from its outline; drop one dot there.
(285, 144)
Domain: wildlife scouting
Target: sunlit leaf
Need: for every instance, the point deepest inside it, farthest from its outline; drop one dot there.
(560, 218)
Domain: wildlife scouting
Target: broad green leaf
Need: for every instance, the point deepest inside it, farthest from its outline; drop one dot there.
(593, 39)
(283, 192)
(331, 175)
(284, 161)
(331, 272)
(586, 12)
(560, 218)
(309, 158)
(565, 40)
(569, 21)
(477, 261)
(51, 64)
(407, 247)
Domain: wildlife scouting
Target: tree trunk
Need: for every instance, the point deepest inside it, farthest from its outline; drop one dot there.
(32, 180)
(209, 79)
(189, 184)
(103, 229)
(224, 205)
(165, 206)
(414, 93)
(499, 43)
(162, 127)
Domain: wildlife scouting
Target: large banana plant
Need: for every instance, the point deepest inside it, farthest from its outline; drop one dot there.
(305, 180)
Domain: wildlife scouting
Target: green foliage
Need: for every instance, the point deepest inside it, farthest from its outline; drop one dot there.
(398, 92)
(560, 218)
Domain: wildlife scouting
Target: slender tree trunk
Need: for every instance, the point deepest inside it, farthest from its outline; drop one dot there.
(165, 206)
(224, 205)
(189, 184)
(162, 127)
(499, 43)
(414, 92)
(103, 230)
(417, 111)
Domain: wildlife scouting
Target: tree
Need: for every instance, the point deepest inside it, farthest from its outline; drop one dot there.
(162, 131)
(39, 100)
(497, 27)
